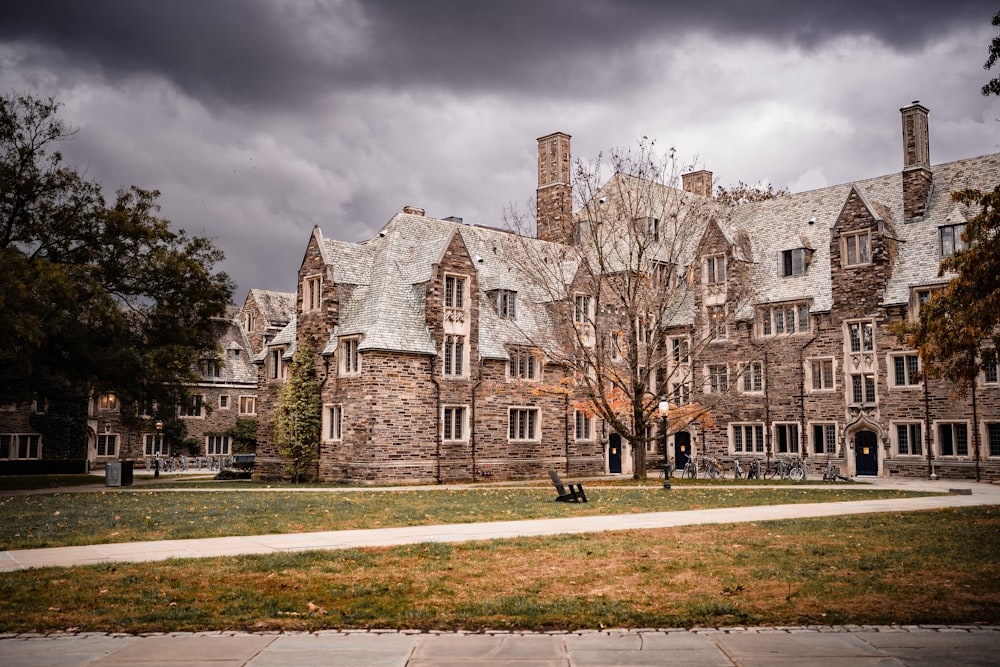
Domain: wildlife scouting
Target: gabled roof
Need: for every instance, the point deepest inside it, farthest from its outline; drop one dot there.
(275, 307)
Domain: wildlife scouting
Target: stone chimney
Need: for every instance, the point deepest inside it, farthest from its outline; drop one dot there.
(917, 176)
(698, 182)
(554, 196)
(413, 210)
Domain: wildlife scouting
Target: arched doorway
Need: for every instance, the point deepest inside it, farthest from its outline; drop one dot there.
(682, 449)
(866, 453)
(615, 454)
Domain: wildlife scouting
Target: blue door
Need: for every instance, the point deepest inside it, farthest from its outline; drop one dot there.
(866, 453)
(682, 449)
(615, 454)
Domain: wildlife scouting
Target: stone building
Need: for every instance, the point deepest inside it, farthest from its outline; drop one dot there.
(430, 337)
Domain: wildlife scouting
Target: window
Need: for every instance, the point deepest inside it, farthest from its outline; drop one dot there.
(918, 298)
(584, 425)
(680, 350)
(861, 335)
(248, 405)
(581, 309)
(663, 275)
(990, 367)
(453, 423)
(909, 439)
(786, 319)
(821, 374)
(643, 331)
(454, 355)
(856, 248)
(746, 438)
(107, 402)
(992, 439)
(523, 424)
(715, 270)
(38, 405)
(217, 445)
(223, 401)
(651, 227)
(192, 407)
(616, 345)
(863, 388)
(953, 439)
(753, 378)
(277, 364)
(153, 444)
(333, 417)
(523, 365)
(794, 262)
(107, 445)
(211, 368)
(250, 321)
(824, 438)
(680, 393)
(951, 239)
(718, 379)
(312, 293)
(20, 446)
(505, 301)
(350, 359)
(786, 438)
(905, 370)
(454, 292)
(716, 322)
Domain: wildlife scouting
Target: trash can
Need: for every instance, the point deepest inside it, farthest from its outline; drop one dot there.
(113, 473)
(127, 467)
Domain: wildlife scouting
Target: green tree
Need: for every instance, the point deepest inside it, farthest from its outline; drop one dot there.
(958, 332)
(94, 296)
(243, 434)
(993, 87)
(298, 416)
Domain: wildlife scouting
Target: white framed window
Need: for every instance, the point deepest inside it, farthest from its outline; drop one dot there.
(505, 301)
(153, 444)
(905, 369)
(753, 378)
(522, 424)
(20, 446)
(717, 329)
(789, 318)
(716, 379)
(523, 365)
(453, 424)
(581, 308)
(824, 438)
(863, 389)
(793, 262)
(248, 405)
(821, 376)
(333, 422)
(350, 357)
(952, 439)
(861, 336)
(277, 363)
(909, 438)
(454, 292)
(454, 356)
(786, 438)
(217, 445)
(989, 364)
(746, 438)
(107, 402)
(584, 425)
(107, 445)
(223, 401)
(951, 239)
(680, 393)
(855, 248)
(715, 270)
(194, 407)
(312, 293)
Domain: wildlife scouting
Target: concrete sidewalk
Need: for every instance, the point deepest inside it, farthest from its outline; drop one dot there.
(878, 646)
(977, 494)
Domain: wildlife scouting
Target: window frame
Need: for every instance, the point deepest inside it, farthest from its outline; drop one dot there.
(505, 304)
(524, 365)
(773, 317)
(312, 293)
(193, 410)
(824, 429)
(753, 375)
(791, 438)
(454, 423)
(955, 241)
(867, 381)
(107, 445)
(914, 445)
(715, 269)
(583, 426)
(759, 446)
(716, 382)
(453, 352)
(527, 421)
(912, 375)
(349, 352)
(954, 427)
(333, 422)
(455, 292)
(787, 262)
(582, 308)
(248, 400)
(823, 362)
(846, 250)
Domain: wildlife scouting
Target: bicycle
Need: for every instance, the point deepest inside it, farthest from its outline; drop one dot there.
(690, 469)
(831, 474)
(712, 469)
(738, 471)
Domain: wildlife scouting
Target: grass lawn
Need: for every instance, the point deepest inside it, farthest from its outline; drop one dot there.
(919, 567)
(138, 514)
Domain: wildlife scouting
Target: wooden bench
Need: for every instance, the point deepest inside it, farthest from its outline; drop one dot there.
(575, 493)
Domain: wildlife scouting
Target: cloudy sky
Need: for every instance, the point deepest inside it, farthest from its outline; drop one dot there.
(258, 119)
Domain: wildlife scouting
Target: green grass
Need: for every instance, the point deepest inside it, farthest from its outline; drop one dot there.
(25, 482)
(67, 519)
(927, 567)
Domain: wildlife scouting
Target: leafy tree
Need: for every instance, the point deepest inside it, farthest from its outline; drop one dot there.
(993, 86)
(243, 434)
(959, 327)
(298, 416)
(742, 193)
(94, 296)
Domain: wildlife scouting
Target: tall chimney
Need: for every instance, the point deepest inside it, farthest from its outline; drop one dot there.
(917, 175)
(698, 182)
(554, 196)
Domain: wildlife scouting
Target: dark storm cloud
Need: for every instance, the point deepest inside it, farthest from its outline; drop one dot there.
(282, 53)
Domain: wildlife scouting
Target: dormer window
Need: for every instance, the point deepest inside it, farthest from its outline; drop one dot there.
(211, 368)
(951, 239)
(350, 357)
(856, 248)
(715, 270)
(794, 261)
(505, 302)
(312, 293)
(581, 309)
(454, 292)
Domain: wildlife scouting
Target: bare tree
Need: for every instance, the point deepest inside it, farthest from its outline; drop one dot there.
(621, 298)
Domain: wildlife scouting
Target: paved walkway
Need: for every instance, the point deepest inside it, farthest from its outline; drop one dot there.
(881, 646)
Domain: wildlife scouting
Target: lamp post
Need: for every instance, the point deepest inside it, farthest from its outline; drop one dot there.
(158, 446)
(664, 411)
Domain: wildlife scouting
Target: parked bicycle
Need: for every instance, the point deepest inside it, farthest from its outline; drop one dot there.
(832, 474)
(785, 468)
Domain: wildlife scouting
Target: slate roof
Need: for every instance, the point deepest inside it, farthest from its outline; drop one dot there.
(275, 307)
(237, 356)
